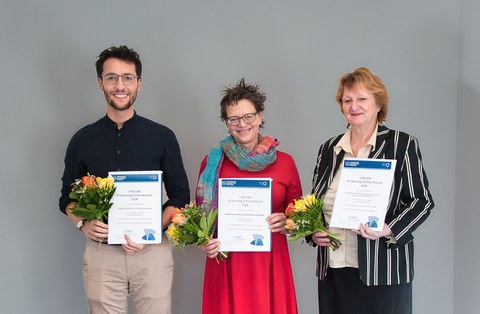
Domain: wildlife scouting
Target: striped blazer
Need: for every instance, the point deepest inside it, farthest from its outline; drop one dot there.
(381, 262)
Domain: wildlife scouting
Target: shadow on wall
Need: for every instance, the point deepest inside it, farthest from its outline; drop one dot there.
(466, 287)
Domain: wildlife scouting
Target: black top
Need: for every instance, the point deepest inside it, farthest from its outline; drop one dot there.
(141, 144)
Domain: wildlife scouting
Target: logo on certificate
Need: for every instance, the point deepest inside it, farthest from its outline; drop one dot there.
(149, 235)
(373, 221)
(257, 240)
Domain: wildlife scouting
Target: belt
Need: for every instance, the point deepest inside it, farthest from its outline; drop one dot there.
(104, 242)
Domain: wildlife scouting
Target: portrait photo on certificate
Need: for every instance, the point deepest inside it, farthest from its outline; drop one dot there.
(137, 207)
(363, 193)
(243, 206)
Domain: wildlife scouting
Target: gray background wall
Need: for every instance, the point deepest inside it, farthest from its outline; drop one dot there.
(467, 198)
(426, 52)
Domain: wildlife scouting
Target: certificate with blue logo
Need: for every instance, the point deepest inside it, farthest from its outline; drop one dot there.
(363, 193)
(137, 207)
(243, 207)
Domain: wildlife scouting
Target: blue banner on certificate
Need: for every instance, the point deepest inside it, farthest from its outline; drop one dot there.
(363, 193)
(137, 207)
(243, 206)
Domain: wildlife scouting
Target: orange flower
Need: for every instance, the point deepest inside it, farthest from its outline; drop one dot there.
(88, 180)
(290, 209)
(290, 224)
(178, 217)
(175, 211)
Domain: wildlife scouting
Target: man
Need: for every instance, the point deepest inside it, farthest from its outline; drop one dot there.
(124, 141)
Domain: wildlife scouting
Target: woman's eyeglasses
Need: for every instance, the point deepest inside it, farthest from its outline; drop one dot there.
(247, 118)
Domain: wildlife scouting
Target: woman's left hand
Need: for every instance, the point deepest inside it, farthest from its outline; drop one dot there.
(368, 233)
(276, 222)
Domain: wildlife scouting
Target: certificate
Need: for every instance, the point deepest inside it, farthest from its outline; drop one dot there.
(137, 207)
(363, 193)
(243, 206)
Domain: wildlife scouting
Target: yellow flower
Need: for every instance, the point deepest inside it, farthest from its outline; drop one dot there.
(105, 183)
(305, 203)
(300, 206)
(171, 231)
(310, 200)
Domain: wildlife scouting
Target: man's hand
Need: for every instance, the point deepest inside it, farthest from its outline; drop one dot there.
(131, 247)
(95, 230)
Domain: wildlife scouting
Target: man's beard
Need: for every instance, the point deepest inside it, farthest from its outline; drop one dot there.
(112, 103)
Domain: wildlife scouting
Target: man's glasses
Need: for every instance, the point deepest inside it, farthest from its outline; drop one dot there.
(112, 79)
(247, 118)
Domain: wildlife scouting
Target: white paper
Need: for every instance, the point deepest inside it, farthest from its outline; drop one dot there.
(363, 193)
(244, 205)
(137, 207)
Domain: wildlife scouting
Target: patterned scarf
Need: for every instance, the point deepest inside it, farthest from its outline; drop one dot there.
(263, 155)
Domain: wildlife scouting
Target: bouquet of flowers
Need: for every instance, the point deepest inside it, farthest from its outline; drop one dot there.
(304, 217)
(192, 225)
(92, 197)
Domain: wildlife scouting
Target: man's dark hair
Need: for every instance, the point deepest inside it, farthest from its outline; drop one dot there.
(121, 52)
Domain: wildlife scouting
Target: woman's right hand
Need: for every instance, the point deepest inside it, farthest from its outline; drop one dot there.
(211, 248)
(320, 239)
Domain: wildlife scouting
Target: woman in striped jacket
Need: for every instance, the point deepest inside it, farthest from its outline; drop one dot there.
(372, 271)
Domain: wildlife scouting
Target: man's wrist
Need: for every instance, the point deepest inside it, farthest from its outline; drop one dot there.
(80, 224)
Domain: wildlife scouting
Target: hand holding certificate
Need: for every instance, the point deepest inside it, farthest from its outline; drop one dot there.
(363, 193)
(244, 205)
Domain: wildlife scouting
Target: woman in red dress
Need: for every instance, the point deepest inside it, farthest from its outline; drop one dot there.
(249, 282)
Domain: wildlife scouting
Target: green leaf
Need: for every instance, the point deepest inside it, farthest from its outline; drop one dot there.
(74, 195)
(83, 212)
(80, 211)
(203, 224)
(298, 235)
(212, 215)
(92, 206)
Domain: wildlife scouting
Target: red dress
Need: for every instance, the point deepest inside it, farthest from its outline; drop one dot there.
(256, 282)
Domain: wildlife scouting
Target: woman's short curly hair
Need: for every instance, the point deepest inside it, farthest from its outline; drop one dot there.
(231, 95)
